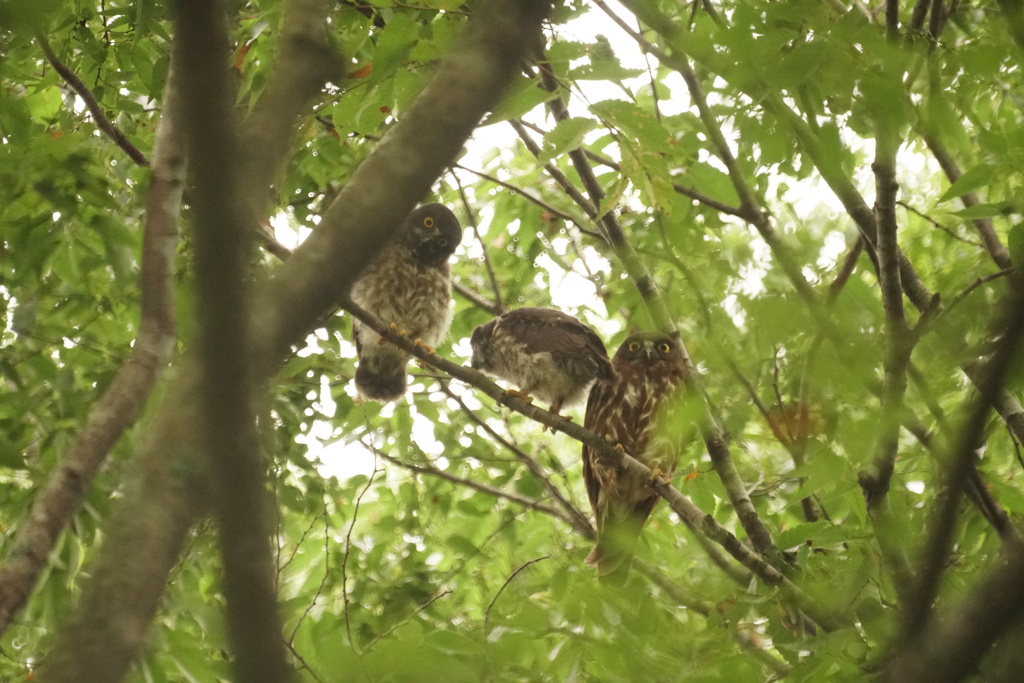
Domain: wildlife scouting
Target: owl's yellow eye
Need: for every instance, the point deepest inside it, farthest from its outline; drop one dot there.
(663, 347)
(428, 222)
(634, 346)
(442, 242)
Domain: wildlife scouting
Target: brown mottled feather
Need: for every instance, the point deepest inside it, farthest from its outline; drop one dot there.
(639, 411)
(545, 352)
(408, 285)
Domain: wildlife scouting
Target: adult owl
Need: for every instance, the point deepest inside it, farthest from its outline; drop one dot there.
(408, 285)
(546, 353)
(641, 411)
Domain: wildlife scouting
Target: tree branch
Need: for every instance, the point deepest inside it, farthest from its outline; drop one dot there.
(223, 217)
(126, 396)
(98, 117)
(875, 483)
(305, 63)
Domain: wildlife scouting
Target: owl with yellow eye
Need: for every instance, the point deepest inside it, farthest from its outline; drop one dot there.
(408, 286)
(641, 411)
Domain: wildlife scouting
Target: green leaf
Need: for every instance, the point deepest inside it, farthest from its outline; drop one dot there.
(394, 44)
(972, 179)
(522, 97)
(565, 137)
(984, 210)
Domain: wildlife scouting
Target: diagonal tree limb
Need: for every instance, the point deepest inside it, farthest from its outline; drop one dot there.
(410, 156)
(306, 62)
(126, 396)
(98, 117)
(169, 490)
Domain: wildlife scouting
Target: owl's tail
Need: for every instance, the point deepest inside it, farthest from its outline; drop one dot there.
(381, 376)
(618, 532)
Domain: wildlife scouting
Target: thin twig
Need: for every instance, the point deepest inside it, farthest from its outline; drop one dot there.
(476, 299)
(525, 501)
(348, 546)
(573, 516)
(487, 612)
(397, 626)
(940, 226)
(495, 289)
(305, 664)
(323, 579)
(98, 117)
(524, 193)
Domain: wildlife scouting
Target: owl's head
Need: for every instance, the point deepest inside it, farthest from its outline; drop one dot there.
(650, 348)
(432, 232)
(481, 343)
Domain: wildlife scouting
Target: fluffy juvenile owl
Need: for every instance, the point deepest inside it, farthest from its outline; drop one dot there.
(641, 411)
(544, 352)
(408, 285)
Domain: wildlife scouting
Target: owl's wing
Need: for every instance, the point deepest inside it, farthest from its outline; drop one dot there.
(563, 336)
(600, 404)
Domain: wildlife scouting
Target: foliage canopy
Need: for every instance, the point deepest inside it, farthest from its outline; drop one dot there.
(822, 197)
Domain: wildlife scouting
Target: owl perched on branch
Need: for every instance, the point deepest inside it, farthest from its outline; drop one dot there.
(544, 352)
(641, 411)
(408, 285)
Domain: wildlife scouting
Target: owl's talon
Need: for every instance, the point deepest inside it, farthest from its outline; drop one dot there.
(398, 330)
(614, 444)
(659, 477)
(545, 428)
(425, 346)
(520, 394)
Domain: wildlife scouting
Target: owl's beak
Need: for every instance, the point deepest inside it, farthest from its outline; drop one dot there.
(648, 350)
